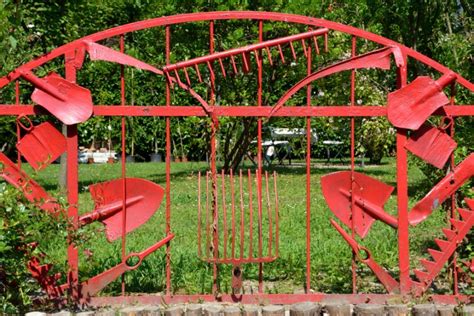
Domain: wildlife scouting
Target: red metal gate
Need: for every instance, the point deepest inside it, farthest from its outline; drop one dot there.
(357, 200)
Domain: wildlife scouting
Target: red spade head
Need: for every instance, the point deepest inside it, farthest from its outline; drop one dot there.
(143, 198)
(72, 105)
(335, 187)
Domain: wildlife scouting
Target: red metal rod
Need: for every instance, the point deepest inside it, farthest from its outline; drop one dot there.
(269, 54)
(199, 216)
(280, 51)
(211, 71)
(198, 73)
(246, 62)
(316, 46)
(402, 199)
(232, 192)
(234, 66)
(168, 165)
(258, 55)
(453, 213)
(355, 213)
(18, 129)
(222, 68)
(305, 52)
(124, 170)
(293, 53)
(246, 49)
(326, 48)
(224, 213)
(186, 75)
(308, 178)
(72, 194)
(270, 224)
(249, 182)
(242, 217)
(208, 227)
(277, 227)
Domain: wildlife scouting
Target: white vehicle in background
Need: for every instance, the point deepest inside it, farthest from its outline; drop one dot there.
(97, 157)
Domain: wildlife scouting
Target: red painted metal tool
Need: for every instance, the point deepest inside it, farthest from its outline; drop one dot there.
(443, 190)
(454, 236)
(410, 106)
(364, 256)
(143, 198)
(95, 284)
(67, 101)
(432, 145)
(379, 58)
(370, 195)
(41, 145)
(32, 191)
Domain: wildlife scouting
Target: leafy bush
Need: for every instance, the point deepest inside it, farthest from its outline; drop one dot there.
(377, 140)
(20, 226)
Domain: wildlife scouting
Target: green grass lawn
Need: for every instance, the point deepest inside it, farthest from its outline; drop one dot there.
(330, 255)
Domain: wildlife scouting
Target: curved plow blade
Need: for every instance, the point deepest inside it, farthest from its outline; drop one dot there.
(336, 189)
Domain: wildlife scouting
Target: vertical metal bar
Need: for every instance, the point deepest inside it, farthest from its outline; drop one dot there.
(18, 129)
(72, 191)
(353, 208)
(453, 198)
(233, 211)
(402, 197)
(259, 156)
(224, 210)
(208, 227)
(249, 184)
(214, 121)
(242, 217)
(124, 170)
(168, 166)
(277, 227)
(308, 176)
(270, 224)
(199, 215)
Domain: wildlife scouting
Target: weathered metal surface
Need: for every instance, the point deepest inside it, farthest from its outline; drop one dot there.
(41, 145)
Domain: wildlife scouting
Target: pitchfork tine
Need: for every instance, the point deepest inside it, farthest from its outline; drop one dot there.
(303, 43)
(187, 76)
(211, 71)
(234, 66)
(316, 46)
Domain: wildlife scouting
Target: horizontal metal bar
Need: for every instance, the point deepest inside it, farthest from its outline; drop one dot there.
(184, 110)
(270, 299)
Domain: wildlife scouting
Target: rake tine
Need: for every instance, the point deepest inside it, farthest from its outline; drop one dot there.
(293, 50)
(257, 57)
(233, 211)
(208, 232)
(246, 62)
(277, 233)
(270, 224)
(198, 73)
(326, 49)
(316, 46)
(224, 210)
(234, 66)
(270, 59)
(176, 74)
(168, 78)
(280, 51)
(222, 68)
(211, 71)
(249, 174)
(199, 215)
(187, 76)
(242, 218)
(303, 43)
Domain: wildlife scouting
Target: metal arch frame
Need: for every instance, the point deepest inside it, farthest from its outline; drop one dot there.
(71, 52)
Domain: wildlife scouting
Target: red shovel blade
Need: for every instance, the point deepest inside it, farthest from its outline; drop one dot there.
(143, 198)
(42, 145)
(410, 106)
(73, 104)
(432, 145)
(336, 185)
